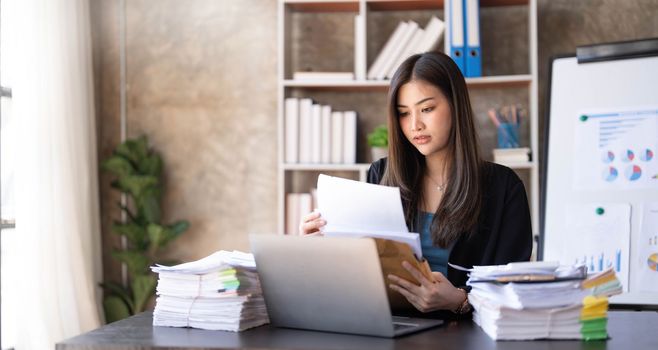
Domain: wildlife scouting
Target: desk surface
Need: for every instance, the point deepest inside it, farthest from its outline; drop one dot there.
(626, 328)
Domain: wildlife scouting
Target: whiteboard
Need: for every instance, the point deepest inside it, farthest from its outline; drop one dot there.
(592, 196)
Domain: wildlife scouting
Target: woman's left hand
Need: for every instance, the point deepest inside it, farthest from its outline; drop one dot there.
(428, 295)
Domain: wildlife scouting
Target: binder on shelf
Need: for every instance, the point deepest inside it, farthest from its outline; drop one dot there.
(291, 136)
(424, 40)
(316, 128)
(433, 32)
(349, 137)
(336, 137)
(396, 51)
(379, 61)
(455, 32)
(359, 48)
(472, 53)
(326, 135)
(305, 130)
(408, 50)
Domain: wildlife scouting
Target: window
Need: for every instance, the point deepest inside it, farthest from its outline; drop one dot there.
(8, 154)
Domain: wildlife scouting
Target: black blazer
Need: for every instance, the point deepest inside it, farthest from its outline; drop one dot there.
(503, 233)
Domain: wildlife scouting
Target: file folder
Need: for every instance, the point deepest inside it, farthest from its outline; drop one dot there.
(472, 54)
(455, 38)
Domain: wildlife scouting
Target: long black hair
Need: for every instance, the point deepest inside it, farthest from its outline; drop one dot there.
(460, 207)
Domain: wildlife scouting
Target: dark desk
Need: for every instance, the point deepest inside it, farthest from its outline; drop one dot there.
(628, 330)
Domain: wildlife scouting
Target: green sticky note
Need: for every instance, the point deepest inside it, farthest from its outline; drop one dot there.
(600, 211)
(583, 118)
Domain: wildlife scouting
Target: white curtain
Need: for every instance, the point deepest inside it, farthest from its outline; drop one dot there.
(57, 208)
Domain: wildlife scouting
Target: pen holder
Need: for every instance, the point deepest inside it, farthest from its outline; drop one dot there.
(508, 135)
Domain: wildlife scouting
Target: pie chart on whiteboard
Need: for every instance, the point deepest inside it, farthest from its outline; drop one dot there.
(653, 261)
(633, 173)
(610, 173)
(647, 155)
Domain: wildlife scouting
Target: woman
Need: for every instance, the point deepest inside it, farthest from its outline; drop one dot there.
(467, 211)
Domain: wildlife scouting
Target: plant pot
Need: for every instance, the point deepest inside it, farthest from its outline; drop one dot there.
(378, 153)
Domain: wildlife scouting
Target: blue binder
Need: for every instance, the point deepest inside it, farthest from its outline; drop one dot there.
(472, 54)
(454, 10)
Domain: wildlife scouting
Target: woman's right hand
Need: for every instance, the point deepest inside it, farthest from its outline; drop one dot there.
(311, 223)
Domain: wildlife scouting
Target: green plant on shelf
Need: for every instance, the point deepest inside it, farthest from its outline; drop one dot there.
(378, 137)
(138, 172)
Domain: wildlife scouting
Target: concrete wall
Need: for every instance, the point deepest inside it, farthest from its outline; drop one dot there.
(201, 84)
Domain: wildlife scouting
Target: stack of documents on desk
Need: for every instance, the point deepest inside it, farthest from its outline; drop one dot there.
(218, 292)
(541, 300)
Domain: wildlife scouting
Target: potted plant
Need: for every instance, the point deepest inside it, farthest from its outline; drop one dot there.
(138, 172)
(378, 142)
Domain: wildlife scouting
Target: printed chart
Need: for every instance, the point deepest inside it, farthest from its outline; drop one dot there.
(646, 263)
(598, 237)
(616, 149)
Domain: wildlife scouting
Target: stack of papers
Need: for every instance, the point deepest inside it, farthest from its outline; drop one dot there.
(541, 300)
(218, 292)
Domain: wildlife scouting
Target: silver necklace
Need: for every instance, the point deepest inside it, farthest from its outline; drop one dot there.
(439, 188)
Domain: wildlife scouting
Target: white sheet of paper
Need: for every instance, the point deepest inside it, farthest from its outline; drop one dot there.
(646, 262)
(216, 261)
(354, 208)
(598, 241)
(349, 205)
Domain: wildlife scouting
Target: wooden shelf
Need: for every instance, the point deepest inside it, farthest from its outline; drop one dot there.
(522, 80)
(327, 167)
(519, 165)
(409, 5)
(323, 5)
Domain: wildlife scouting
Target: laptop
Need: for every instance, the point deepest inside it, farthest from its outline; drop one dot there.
(328, 284)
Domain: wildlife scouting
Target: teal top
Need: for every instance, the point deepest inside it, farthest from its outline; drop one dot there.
(436, 257)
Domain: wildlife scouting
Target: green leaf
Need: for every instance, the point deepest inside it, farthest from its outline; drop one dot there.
(118, 165)
(137, 184)
(113, 288)
(379, 137)
(137, 261)
(115, 309)
(151, 165)
(179, 227)
(133, 149)
(143, 287)
(157, 234)
(150, 208)
(135, 234)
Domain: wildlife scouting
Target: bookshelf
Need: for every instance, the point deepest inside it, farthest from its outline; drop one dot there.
(318, 35)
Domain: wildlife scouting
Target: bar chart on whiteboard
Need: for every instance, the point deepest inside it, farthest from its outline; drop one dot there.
(616, 149)
(599, 237)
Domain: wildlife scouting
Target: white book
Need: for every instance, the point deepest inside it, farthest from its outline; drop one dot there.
(305, 130)
(511, 155)
(433, 33)
(407, 51)
(396, 51)
(379, 61)
(316, 136)
(328, 76)
(336, 137)
(359, 47)
(349, 137)
(291, 136)
(292, 214)
(326, 135)
(305, 205)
